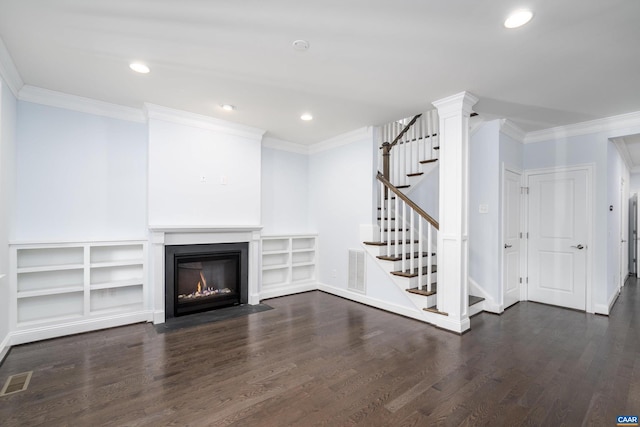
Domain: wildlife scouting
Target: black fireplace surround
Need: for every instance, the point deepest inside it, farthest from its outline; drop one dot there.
(205, 277)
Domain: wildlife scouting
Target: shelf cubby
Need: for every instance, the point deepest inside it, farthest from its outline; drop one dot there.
(287, 260)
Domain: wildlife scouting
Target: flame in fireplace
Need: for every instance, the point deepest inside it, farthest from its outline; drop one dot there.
(202, 284)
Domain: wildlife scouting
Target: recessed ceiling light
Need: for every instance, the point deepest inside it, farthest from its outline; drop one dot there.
(139, 67)
(518, 18)
(227, 107)
(306, 117)
(301, 45)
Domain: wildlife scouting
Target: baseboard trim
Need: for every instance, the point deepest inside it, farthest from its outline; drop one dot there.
(373, 302)
(490, 304)
(281, 291)
(5, 348)
(71, 328)
(603, 309)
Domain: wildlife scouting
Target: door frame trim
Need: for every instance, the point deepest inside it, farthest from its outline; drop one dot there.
(590, 168)
(503, 171)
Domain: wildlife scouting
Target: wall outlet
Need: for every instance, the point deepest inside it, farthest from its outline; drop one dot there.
(224, 180)
(203, 178)
(334, 273)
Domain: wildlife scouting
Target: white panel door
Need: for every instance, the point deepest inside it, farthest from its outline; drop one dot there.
(558, 234)
(511, 236)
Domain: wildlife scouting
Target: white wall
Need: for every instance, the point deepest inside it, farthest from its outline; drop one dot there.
(181, 154)
(340, 200)
(485, 228)
(634, 183)
(7, 189)
(80, 176)
(618, 173)
(285, 190)
(581, 150)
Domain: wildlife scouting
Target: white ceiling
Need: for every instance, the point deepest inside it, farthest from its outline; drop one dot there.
(370, 61)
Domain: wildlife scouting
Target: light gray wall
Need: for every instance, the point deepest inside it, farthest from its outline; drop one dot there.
(484, 189)
(285, 184)
(179, 155)
(581, 150)
(7, 190)
(80, 176)
(617, 172)
(340, 200)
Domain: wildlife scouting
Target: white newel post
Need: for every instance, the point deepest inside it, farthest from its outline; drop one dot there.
(453, 247)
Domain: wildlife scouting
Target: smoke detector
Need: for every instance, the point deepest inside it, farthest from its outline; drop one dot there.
(301, 45)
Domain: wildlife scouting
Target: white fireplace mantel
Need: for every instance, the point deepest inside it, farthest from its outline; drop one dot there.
(163, 235)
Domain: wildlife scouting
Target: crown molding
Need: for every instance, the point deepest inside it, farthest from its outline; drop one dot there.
(8, 70)
(343, 139)
(80, 104)
(512, 130)
(452, 105)
(158, 112)
(279, 144)
(624, 152)
(607, 124)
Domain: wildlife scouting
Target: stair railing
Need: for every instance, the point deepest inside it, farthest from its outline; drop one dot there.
(405, 238)
(407, 143)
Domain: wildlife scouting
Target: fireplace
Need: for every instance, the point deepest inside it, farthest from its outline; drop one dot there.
(205, 277)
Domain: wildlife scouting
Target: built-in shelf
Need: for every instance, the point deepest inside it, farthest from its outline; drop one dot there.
(50, 268)
(117, 263)
(286, 261)
(52, 291)
(54, 284)
(118, 284)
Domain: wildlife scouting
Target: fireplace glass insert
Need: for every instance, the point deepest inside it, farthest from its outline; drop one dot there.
(205, 277)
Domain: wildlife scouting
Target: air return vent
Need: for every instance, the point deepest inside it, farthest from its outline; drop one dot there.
(356, 271)
(16, 383)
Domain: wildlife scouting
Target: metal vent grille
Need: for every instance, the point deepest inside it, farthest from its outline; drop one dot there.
(356, 271)
(16, 383)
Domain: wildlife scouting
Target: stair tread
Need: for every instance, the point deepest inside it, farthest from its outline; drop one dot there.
(436, 148)
(422, 290)
(393, 229)
(414, 272)
(423, 162)
(403, 186)
(435, 310)
(399, 257)
(393, 242)
(415, 174)
(472, 300)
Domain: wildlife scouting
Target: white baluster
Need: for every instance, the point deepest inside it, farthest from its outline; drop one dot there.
(430, 133)
(429, 260)
(404, 235)
(411, 246)
(397, 235)
(420, 240)
(389, 222)
(383, 217)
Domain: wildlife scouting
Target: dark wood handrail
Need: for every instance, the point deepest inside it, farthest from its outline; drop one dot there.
(405, 130)
(408, 201)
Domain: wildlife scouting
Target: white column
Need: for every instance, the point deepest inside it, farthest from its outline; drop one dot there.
(453, 247)
(155, 285)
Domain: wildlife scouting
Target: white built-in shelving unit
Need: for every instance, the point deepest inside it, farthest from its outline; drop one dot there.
(71, 287)
(288, 264)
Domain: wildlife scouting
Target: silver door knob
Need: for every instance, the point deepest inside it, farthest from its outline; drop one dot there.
(578, 246)
(507, 246)
(623, 241)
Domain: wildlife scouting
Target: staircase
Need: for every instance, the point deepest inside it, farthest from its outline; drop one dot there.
(407, 248)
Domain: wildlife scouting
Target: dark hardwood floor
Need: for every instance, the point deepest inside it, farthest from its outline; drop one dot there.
(319, 360)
